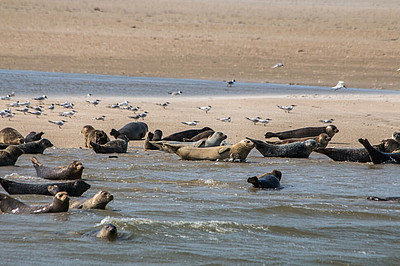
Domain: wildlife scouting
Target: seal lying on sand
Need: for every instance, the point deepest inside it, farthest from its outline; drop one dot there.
(267, 180)
(11, 136)
(10, 155)
(331, 130)
(300, 149)
(10, 205)
(157, 135)
(35, 147)
(384, 199)
(322, 140)
(70, 172)
(378, 157)
(346, 154)
(33, 136)
(119, 145)
(107, 232)
(187, 134)
(396, 136)
(133, 130)
(203, 135)
(149, 143)
(94, 135)
(73, 188)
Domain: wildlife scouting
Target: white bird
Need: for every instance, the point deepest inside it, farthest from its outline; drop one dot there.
(37, 113)
(40, 98)
(264, 121)
(89, 95)
(51, 107)
(134, 109)
(58, 123)
(68, 114)
(37, 108)
(26, 103)
(14, 104)
(225, 119)
(191, 123)
(398, 69)
(114, 106)
(25, 109)
(134, 116)
(286, 108)
(230, 83)
(163, 104)
(7, 97)
(95, 102)
(5, 112)
(9, 115)
(339, 85)
(143, 115)
(66, 105)
(278, 65)
(254, 120)
(327, 121)
(100, 118)
(205, 108)
(176, 93)
(125, 103)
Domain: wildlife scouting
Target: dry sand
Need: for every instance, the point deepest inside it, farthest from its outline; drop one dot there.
(320, 42)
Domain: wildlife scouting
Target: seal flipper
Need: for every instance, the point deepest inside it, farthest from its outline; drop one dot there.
(377, 157)
(270, 135)
(96, 147)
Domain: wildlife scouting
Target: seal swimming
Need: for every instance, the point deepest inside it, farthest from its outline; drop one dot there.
(133, 130)
(11, 136)
(94, 135)
(107, 232)
(72, 171)
(397, 199)
(267, 180)
(10, 155)
(187, 134)
(331, 130)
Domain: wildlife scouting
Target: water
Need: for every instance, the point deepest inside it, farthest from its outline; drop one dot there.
(183, 212)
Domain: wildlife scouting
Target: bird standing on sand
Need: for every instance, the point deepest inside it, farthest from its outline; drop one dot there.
(230, 83)
(100, 118)
(286, 108)
(95, 102)
(51, 107)
(278, 65)
(163, 104)
(143, 115)
(205, 108)
(68, 114)
(191, 123)
(339, 85)
(58, 123)
(264, 121)
(7, 97)
(25, 109)
(14, 104)
(37, 113)
(226, 119)
(254, 120)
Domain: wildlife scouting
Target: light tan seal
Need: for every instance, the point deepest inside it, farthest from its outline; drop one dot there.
(94, 135)
(11, 136)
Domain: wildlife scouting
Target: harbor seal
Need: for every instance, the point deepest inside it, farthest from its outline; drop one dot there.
(149, 144)
(359, 155)
(203, 135)
(322, 140)
(331, 130)
(94, 135)
(11, 136)
(10, 205)
(240, 150)
(33, 136)
(10, 155)
(72, 171)
(193, 153)
(133, 130)
(157, 135)
(300, 149)
(397, 199)
(119, 145)
(396, 136)
(187, 134)
(35, 147)
(378, 157)
(107, 232)
(267, 180)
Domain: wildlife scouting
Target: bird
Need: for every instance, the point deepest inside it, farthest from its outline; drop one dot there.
(100, 118)
(230, 83)
(66, 105)
(37, 113)
(8, 114)
(191, 123)
(143, 115)
(40, 98)
(114, 106)
(7, 97)
(398, 69)
(14, 104)
(25, 109)
(205, 108)
(37, 108)
(68, 114)
(339, 85)
(254, 120)
(327, 121)
(51, 107)
(278, 65)
(125, 103)
(176, 93)
(58, 123)
(286, 108)
(134, 109)
(163, 104)
(26, 103)
(225, 119)
(264, 121)
(136, 117)
(5, 112)
(95, 102)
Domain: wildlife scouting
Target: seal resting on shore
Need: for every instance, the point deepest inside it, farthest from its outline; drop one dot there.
(267, 180)
(10, 205)
(331, 130)
(74, 188)
(94, 135)
(240, 150)
(33, 136)
(10, 155)
(378, 157)
(72, 171)
(187, 134)
(384, 199)
(396, 136)
(322, 140)
(203, 135)
(157, 135)
(119, 145)
(35, 147)
(300, 149)
(359, 155)
(133, 130)
(11, 136)
(107, 232)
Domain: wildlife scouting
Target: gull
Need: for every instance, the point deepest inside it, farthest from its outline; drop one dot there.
(230, 83)
(191, 123)
(339, 85)
(14, 104)
(254, 120)
(25, 109)
(95, 102)
(51, 107)
(40, 98)
(68, 114)
(37, 113)
(226, 119)
(205, 108)
(9, 115)
(58, 123)
(176, 93)
(264, 121)
(286, 108)
(327, 121)
(125, 103)
(7, 97)
(134, 116)
(163, 104)
(26, 103)
(37, 108)
(278, 65)
(134, 109)
(100, 118)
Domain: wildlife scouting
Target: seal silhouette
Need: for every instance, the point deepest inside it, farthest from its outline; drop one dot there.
(133, 130)
(11, 136)
(267, 180)
(72, 171)
(94, 135)
(331, 130)
(10, 155)
(187, 134)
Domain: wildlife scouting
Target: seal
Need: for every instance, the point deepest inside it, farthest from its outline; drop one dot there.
(157, 135)
(10, 155)
(193, 153)
(359, 155)
(70, 172)
(149, 144)
(322, 140)
(187, 134)
(267, 180)
(300, 149)
(107, 232)
(133, 130)
(11, 136)
(10, 205)
(35, 147)
(215, 140)
(241, 150)
(203, 135)
(94, 135)
(397, 199)
(119, 145)
(377, 156)
(74, 188)
(396, 136)
(33, 136)
(331, 130)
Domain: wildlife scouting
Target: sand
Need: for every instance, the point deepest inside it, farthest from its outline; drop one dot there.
(319, 42)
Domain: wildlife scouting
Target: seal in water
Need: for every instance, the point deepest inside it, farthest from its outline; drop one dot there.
(187, 134)
(267, 180)
(10, 155)
(10, 205)
(119, 145)
(94, 135)
(35, 147)
(378, 157)
(107, 232)
(331, 130)
(397, 199)
(11, 136)
(70, 172)
(133, 130)
(33, 136)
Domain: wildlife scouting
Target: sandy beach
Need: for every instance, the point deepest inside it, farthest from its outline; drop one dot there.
(319, 42)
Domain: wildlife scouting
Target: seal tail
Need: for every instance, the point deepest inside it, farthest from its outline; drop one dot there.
(270, 135)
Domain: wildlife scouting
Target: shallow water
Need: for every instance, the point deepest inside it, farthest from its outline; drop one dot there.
(184, 212)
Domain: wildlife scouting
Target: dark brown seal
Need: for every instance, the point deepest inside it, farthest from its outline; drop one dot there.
(33, 136)
(119, 145)
(133, 130)
(150, 143)
(187, 134)
(359, 155)
(10, 205)
(10, 155)
(200, 136)
(267, 180)
(11, 136)
(70, 172)
(35, 147)
(331, 130)
(74, 188)
(94, 135)
(377, 156)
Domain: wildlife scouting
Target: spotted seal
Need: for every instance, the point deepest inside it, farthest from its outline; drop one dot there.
(267, 180)
(331, 130)
(322, 140)
(188, 134)
(119, 145)
(133, 130)
(11, 136)
(72, 171)
(94, 135)
(10, 155)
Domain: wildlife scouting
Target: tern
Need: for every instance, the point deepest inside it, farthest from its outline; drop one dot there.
(163, 104)
(51, 107)
(125, 103)
(58, 123)
(26, 103)
(40, 98)
(327, 121)
(100, 118)
(278, 65)
(68, 114)
(95, 102)
(25, 109)
(205, 108)
(286, 108)
(143, 115)
(225, 119)
(14, 104)
(37, 113)
(339, 85)
(191, 123)
(7, 97)
(254, 120)
(176, 93)
(9, 115)
(264, 121)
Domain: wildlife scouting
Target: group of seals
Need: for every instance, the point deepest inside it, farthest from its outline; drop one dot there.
(94, 135)
(72, 171)
(322, 140)
(186, 134)
(377, 156)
